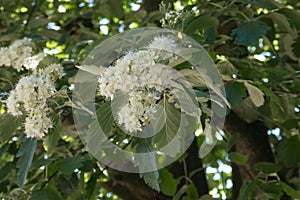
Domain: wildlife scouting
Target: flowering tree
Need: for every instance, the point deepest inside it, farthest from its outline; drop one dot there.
(156, 93)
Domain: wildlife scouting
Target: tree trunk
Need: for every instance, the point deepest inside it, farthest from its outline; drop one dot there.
(131, 187)
(253, 143)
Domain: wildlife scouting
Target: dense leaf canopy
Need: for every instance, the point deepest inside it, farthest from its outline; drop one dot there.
(256, 48)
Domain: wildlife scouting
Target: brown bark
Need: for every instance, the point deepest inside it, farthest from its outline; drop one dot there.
(151, 5)
(131, 187)
(192, 162)
(253, 143)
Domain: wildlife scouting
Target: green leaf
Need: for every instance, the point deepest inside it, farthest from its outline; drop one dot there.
(168, 185)
(201, 22)
(292, 15)
(48, 60)
(256, 95)
(8, 125)
(289, 190)
(25, 155)
(46, 194)
(5, 170)
(53, 137)
(272, 189)
(192, 192)
(105, 117)
(172, 122)
(180, 192)
(92, 187)
(246, 190)
(237, 158)
(225, 67)
(151, 179)
(249, 32)
(146, 163)
(235, 92)
(269, 4)
(289, 151)
(232, 140)
(267, 167)
(68, 165)
(296, 47)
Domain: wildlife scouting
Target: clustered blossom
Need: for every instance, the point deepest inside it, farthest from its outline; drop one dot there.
(31, 94)
(172, 17)
(32, 91)
(140, 75)
(19, 55)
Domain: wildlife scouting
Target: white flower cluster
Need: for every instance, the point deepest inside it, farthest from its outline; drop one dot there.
(172, 17)
(31, 94)
(32, 91)
(19, 55)
(140, 75)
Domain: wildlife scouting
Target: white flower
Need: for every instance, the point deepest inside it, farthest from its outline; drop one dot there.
(33, 61)
(13, 104)
(37, 123)
(164, 46)
(53, 71)
(16, 54)
(32, 93)
(126, 116)
(139, 74)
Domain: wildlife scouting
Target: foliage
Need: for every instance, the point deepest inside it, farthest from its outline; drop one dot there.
(255, 45)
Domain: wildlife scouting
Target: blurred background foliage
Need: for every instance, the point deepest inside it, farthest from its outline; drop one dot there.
(251, 41)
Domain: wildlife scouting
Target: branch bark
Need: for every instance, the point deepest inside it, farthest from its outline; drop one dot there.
(253, 143)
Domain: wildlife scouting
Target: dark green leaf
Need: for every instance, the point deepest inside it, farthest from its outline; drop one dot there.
(235, 92)
(273, 189)
(4, 171)
(151, 179)
(92, 186)
(269, 4)
(267, 167)
(42, 162)
(146, 163)
(296, 47)
(192, 192)
(168, 185)
(292, 15)
(52, 138)
(232, 140)
(289, 151)
(249, 32)
(105, 117)
(46, 194)
(25, 155)
(289, 190)
(68, 165)
(246, 190)
(8, 125)
(48, 60)
(201, 22)
(238, 158)
(180, 192)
